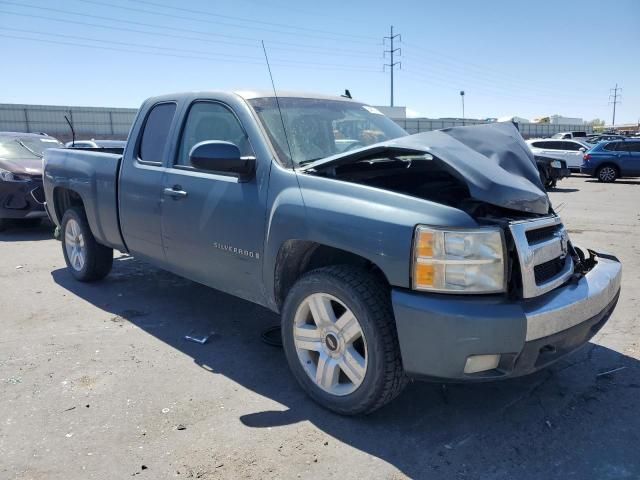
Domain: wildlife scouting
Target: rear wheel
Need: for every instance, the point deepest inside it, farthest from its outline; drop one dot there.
(86, 259)
(340, 340)
(607, 174)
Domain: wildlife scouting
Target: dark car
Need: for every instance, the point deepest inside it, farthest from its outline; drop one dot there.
(608, 161)
(551, 170)
(604, 138)
(21, 194)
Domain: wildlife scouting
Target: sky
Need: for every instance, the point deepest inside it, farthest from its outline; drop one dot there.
(528, 59)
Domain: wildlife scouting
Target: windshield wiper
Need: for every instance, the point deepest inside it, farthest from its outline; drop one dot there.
(36, 154)
(308, 161)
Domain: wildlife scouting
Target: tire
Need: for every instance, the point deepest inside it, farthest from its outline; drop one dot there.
(345, 289)
(607, 174)
(86, 259)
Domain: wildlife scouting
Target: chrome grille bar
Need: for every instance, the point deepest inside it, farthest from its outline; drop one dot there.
(532, 254)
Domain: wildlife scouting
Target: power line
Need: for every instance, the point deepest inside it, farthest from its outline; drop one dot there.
(211, 14)
(392, 51)
(170, 15)
(255, 41)
(247, 60)
(615, 101)
(464, 66)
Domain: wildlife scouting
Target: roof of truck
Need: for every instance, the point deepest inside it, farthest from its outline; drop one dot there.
(249, 94)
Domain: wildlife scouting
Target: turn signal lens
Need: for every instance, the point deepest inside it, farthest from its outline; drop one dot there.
(425, 245)
(425, 274)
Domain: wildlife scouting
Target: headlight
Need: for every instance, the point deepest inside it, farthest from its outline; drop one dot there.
(8, 176)
(556, 164)
(459, 261)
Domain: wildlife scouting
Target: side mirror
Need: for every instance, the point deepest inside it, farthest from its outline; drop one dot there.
(221, 157)
(582, 149)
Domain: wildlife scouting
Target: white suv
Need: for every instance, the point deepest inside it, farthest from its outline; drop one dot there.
(571, 151)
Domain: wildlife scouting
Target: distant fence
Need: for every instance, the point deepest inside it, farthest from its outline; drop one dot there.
(527, 130)
(114, 123)
(88, 122)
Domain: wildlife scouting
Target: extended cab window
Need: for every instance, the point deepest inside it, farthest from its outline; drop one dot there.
(211, 121)
(156, 132)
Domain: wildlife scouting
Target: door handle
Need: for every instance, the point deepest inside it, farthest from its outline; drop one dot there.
(175, 192)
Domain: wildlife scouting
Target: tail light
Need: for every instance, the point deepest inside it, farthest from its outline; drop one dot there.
(586, 157)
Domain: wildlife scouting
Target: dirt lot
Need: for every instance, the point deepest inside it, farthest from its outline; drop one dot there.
(97, 381)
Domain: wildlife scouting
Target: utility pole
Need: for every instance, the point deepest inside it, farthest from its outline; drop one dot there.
(392, 51)
(462, 97)
(616, 96)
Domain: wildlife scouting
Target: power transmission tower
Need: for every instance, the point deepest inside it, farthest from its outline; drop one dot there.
(616, 100)
(392, 51)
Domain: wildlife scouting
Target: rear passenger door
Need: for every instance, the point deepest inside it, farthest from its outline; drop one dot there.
(141, 183)
(572, 154)
(630, 158)
(213, 231)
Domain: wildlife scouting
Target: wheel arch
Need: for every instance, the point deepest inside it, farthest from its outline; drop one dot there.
(297, 257)
(63, 199)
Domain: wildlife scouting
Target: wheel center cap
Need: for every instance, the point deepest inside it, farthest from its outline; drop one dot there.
(331, 342)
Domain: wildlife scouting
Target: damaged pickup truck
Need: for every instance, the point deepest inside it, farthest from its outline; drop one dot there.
(389, 256)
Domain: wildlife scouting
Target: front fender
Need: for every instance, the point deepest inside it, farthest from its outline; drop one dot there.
(375, 224)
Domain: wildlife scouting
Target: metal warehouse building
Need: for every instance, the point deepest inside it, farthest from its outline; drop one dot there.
(88, 122)
(114, 123)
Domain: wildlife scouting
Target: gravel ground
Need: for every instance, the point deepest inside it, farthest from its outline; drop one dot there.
(97, 381)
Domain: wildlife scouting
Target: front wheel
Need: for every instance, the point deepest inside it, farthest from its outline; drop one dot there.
(607, 174)
(340, 340)
(86, 259)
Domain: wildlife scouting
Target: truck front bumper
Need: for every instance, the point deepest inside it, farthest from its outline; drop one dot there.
(438, 333)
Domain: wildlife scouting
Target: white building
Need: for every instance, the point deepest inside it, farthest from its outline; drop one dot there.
(560, 120)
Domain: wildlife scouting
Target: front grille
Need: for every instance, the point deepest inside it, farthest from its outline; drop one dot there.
(542, 247)
(547, 270)
(38, 194)
(542, 234)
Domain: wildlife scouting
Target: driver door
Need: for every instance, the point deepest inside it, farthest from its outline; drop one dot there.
(213, 224)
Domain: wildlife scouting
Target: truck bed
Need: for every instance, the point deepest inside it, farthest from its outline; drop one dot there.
(94, 177)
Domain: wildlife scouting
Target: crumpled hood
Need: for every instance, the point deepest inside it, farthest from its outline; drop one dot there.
(26, 166)
(493, 160)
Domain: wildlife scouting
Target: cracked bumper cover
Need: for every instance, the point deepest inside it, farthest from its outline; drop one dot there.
(437, 332)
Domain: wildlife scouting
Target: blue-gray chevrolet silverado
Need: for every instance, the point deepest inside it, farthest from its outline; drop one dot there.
(389, 256)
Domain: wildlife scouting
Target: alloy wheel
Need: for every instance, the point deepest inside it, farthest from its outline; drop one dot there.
(330, 344)
(74, 245)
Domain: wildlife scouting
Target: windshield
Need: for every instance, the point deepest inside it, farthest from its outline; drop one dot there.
(16, 148)
(319, 128)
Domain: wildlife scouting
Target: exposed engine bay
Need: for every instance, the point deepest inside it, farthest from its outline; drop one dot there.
(470, 168)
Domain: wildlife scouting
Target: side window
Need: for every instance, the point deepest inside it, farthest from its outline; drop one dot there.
(539, 144)
(211, 121)
(572, 146)
(629, 147)
(610, 146)
(156, 132)
(554, 145)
